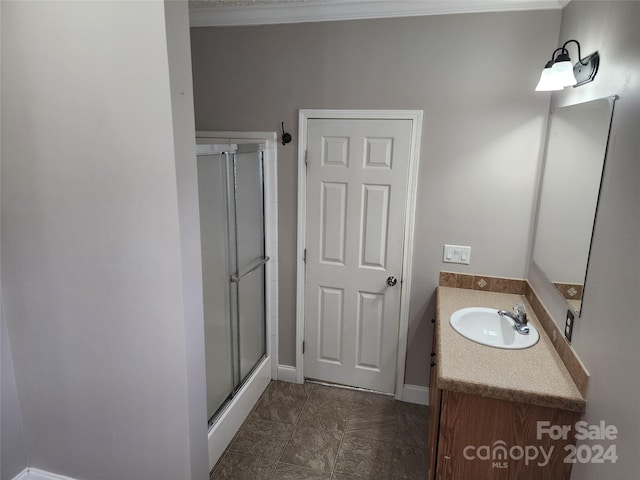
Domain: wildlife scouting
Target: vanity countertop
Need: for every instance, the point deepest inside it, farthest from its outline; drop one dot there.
(535, 375)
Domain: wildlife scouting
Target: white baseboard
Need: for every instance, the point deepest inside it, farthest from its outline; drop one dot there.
(230, 421)
(287, 374)
(36, 474)
(415, 394)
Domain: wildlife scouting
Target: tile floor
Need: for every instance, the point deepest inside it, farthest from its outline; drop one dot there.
(315, 432)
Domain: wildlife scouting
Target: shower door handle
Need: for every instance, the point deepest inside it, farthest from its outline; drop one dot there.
(236, 278)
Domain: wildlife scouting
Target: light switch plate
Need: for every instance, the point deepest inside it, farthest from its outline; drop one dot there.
(568, 326)
(456, 254)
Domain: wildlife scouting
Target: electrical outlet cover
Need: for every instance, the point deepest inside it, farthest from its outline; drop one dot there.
(568, 325)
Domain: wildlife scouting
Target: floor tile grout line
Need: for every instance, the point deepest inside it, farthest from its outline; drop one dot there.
(293, 431)
(322, 398)
(344, 432)
(314, 470)
(395, 440)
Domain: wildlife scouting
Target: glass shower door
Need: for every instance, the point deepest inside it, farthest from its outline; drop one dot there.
(250, 260)
(212, 186)
(231, 197)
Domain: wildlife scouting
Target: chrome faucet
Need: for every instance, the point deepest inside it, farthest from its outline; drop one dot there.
(519, 318)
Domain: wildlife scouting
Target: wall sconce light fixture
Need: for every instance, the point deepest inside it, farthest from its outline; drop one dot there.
(559, 73)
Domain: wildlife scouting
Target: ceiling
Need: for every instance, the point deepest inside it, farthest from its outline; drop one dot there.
(204, 13)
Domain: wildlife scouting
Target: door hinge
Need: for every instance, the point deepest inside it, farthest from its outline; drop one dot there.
(306, 157)
(303, 347)
(304, 256)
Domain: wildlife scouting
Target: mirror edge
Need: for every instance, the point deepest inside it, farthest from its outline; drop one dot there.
(612, 102)
(612, 99)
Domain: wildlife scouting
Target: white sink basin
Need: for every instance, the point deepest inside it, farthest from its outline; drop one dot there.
(485, 326)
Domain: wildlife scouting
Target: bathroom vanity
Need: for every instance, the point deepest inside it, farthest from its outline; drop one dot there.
(496, 413)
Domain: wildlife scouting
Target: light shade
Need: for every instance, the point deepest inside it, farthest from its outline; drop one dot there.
(547, 83)
(562, 71)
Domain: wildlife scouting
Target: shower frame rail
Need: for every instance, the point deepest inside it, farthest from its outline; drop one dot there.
(237, 278)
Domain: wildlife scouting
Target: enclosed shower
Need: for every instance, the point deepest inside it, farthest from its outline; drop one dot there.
(232, 228)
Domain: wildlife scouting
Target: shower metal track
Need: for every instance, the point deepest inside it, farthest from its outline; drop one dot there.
(237, 278)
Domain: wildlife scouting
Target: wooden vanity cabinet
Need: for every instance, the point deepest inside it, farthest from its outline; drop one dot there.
(460, 420)
(435, 395)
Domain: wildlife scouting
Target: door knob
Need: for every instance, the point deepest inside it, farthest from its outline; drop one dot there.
(391, 281)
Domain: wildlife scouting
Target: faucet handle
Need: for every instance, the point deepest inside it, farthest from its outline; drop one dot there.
(520, 309)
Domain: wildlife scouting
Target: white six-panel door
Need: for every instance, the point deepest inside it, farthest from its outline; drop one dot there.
(356, 193)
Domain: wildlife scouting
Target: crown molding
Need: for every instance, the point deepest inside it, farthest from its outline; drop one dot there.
(219, 14)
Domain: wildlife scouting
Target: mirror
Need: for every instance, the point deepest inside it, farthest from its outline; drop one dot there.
(573, 166)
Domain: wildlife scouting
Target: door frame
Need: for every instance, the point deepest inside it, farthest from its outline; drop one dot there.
(409, 224)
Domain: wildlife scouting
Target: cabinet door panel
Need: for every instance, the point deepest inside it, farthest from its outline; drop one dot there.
(434, 408)
(471, 421)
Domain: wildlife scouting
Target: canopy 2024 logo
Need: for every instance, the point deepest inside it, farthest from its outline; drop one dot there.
(499, 453)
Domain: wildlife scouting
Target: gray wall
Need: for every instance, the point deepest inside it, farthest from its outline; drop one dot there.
(94, 134)
(606, 334)
(13, 457)
(181, 83)
(473, 75)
